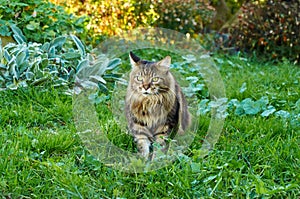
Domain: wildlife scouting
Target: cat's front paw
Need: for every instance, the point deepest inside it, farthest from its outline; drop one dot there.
(143, 146)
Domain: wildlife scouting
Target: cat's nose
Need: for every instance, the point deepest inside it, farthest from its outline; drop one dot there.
(146, 86)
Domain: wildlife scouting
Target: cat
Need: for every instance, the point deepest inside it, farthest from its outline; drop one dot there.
(155, 106)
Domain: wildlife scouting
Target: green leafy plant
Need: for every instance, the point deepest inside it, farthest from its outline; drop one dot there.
(40, 20)
(56, 62)
(250, 107)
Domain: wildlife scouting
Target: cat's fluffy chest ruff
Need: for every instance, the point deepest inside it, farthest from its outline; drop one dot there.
(152, 111)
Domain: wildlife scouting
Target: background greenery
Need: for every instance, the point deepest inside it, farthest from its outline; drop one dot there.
(264, 29)
(41, 156)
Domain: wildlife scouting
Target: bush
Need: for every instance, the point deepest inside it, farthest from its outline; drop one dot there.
(270, 29)
(113, 17)
(186, 16)
(40, 20)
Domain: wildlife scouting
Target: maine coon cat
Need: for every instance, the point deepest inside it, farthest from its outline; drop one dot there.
(155, 105)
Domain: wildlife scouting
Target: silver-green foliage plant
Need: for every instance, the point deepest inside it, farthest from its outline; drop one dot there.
(56, 63)
(250, 107)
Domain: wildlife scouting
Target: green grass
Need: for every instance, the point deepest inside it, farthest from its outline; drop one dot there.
(256, 157)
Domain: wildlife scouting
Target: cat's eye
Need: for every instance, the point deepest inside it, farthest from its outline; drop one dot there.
(139, 78)
(155, 79)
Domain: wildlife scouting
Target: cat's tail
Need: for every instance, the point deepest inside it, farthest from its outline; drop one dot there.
(184, 119)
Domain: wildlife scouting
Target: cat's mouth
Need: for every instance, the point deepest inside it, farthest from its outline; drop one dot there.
(146, 92)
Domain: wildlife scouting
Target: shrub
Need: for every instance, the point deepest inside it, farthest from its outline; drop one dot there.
(113, 17)
(270, 29)
(40, 20)
(186, 16)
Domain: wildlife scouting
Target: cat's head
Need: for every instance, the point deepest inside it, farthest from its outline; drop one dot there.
(150, 78)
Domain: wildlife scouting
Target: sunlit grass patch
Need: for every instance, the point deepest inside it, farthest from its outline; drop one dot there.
(257, 156)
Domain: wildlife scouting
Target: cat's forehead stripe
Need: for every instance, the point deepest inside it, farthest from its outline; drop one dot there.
(146, 70)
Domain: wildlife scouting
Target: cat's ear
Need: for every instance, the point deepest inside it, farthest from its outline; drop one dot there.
(165, 63)
(133, 59)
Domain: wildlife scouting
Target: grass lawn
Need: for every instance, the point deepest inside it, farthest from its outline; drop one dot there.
(41, 156)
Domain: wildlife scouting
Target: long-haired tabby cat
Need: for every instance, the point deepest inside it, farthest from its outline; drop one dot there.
(155, 105)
